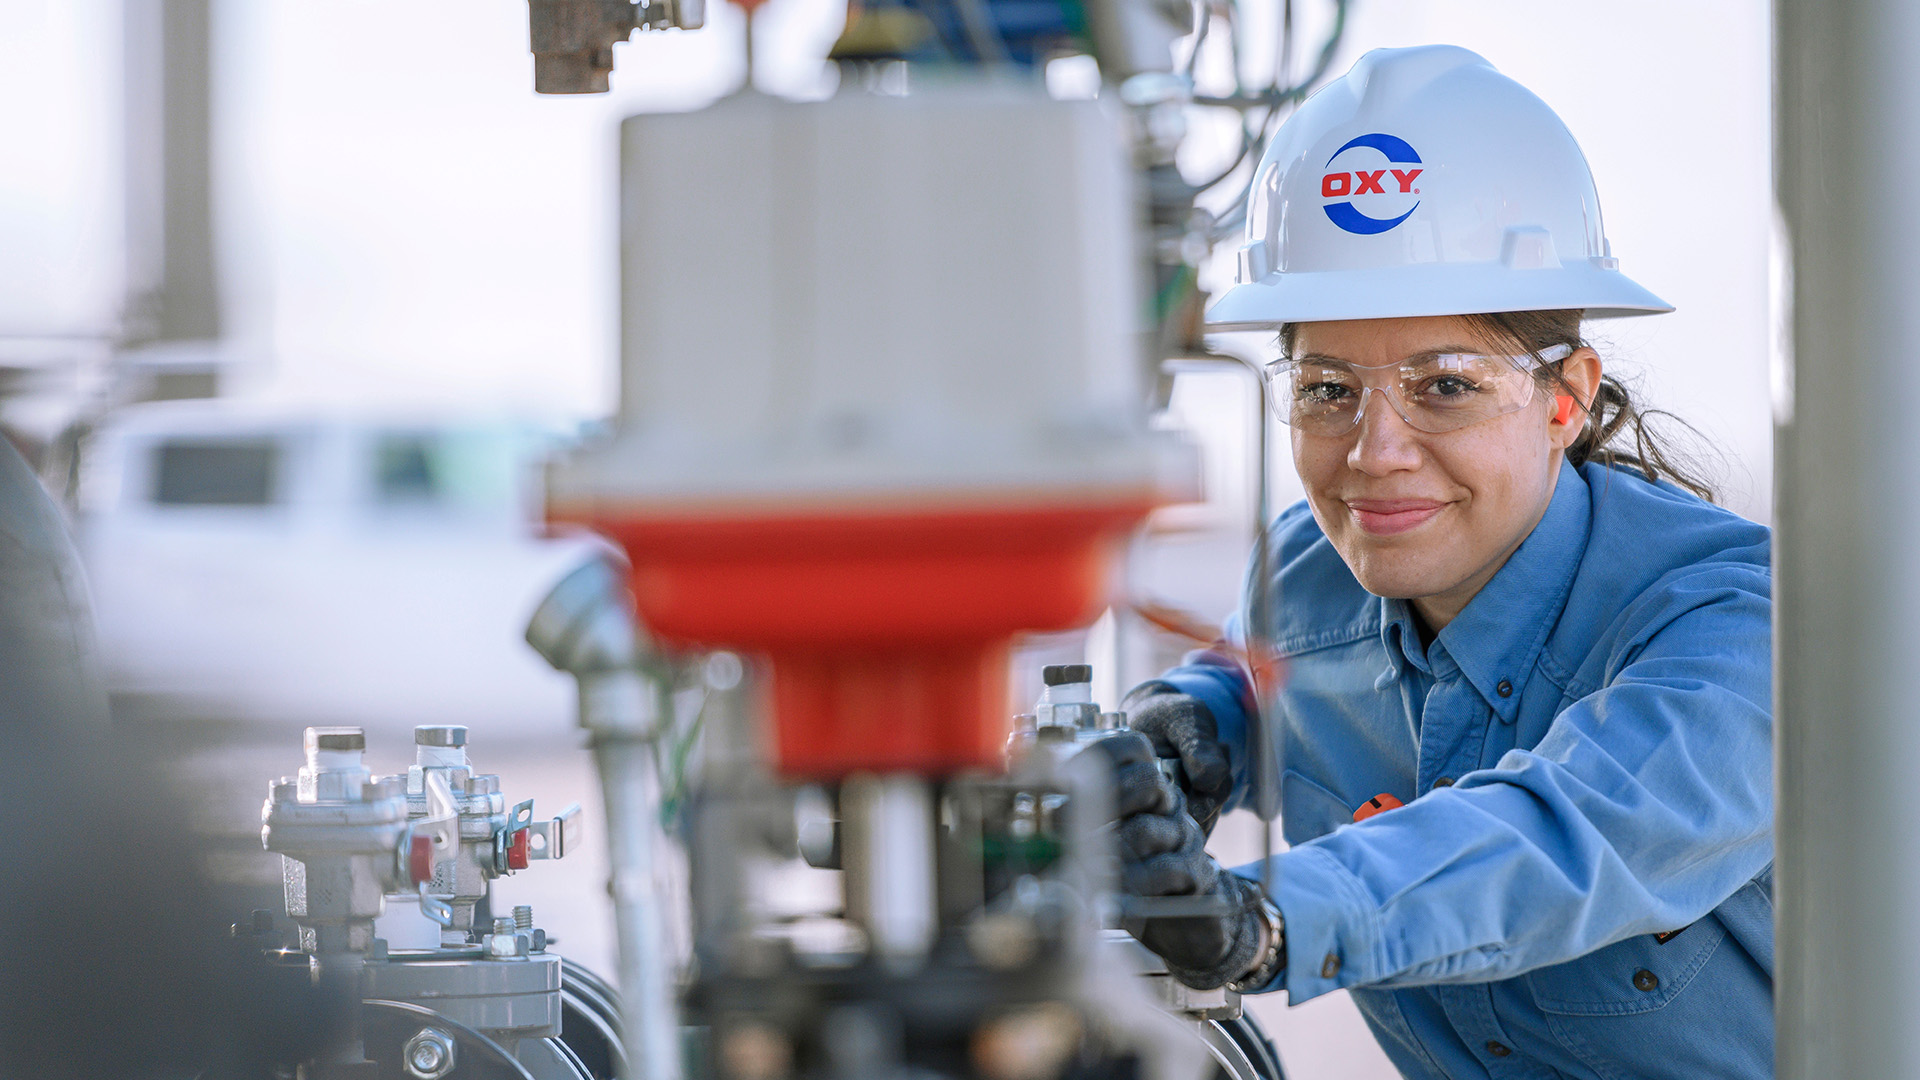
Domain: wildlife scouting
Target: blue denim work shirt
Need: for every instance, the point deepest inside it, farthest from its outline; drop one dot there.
(1584, 754)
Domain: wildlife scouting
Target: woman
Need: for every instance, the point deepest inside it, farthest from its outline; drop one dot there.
(1524, 732)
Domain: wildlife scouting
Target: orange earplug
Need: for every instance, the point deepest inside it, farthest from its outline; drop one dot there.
(1565, 412)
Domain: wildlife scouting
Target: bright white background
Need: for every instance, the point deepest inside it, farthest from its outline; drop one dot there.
(402, 216)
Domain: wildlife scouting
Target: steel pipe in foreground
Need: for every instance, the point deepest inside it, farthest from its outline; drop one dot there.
(1847, 560)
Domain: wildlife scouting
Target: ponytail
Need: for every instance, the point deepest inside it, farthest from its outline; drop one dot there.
(1618, 432)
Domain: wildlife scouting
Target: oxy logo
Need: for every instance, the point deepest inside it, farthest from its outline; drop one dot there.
(1360, 179)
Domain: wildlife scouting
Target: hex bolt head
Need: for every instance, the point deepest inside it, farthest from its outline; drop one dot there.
(440, 735)
(428, 1055)
(336, 738)
(1066, 674)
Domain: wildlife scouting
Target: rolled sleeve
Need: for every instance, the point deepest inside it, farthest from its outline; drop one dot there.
(1333, 933)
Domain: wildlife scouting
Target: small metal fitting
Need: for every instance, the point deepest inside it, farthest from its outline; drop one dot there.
(523, 917)
(336, 738)
(428, 1055)
(440, 735)
(507, 942)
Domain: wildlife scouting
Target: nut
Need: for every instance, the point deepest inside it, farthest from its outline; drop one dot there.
(428, 1055)
(337, 738)
(505, 943)
(440, 735)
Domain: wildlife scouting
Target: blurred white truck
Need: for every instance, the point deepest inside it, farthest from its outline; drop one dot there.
(279, 566)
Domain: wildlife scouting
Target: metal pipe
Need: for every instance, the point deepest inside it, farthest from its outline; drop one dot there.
(1847, 607)
(651, 1014)
(887, 829)
(585, 627)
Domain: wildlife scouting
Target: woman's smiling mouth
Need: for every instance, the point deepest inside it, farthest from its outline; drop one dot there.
(1387, 517)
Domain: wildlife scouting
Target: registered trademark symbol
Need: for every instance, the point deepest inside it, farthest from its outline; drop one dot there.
(1416, 191)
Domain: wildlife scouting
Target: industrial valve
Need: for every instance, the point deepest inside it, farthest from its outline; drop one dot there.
(463, 836)
(442, 832)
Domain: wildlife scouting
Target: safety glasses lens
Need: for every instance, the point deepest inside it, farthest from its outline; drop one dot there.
(1435, 393)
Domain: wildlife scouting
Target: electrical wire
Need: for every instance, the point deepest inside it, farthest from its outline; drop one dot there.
(1277, 96)
(983, 34)
(1283, 51)
(1276, 99)
(1199, 39)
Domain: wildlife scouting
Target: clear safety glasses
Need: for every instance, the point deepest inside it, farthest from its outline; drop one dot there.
(1432, 392)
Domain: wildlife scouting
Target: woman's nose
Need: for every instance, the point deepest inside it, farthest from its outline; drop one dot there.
(1384, 443)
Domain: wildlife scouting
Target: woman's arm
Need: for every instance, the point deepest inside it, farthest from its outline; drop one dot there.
(1646, 804)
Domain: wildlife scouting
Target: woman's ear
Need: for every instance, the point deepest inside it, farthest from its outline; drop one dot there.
(1580, 381)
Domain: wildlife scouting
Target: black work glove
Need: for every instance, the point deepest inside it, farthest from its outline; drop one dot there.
(1182, 727)
(1164, 853)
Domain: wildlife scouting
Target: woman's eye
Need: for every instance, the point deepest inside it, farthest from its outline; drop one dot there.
(1325, 393)
(1448, 386)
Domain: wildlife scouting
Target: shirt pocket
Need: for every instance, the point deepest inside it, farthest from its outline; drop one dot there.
(1639, 1010)
(1637, 975)
(1309, 810)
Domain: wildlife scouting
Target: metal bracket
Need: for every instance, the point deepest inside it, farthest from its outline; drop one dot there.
(521, 817)
(558, 836)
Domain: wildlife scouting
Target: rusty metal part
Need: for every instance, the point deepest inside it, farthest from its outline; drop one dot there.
(572, 42)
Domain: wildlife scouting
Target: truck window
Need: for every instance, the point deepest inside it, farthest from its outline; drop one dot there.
(407, 469)
(227, 472)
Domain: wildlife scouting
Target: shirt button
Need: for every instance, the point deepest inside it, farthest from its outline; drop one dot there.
(1646, 981)
(1498, 1049)
(1505, 689)
(1330, 966)
(1445, 781)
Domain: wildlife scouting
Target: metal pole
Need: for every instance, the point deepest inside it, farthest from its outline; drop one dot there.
(1847, 614)
(652, 1027)
(585, 627)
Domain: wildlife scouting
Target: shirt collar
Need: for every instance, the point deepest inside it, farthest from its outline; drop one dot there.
(1497, 637)
(1401, 636)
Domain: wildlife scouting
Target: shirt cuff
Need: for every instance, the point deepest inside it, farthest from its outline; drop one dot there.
(1333, 937)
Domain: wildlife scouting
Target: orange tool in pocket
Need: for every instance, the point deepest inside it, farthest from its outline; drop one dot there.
(1376, 805)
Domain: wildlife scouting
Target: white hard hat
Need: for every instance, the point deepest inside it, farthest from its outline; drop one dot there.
(1424, 182)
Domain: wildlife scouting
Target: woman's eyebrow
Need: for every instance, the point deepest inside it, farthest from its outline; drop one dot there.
(1446, 350)
(1437, 350)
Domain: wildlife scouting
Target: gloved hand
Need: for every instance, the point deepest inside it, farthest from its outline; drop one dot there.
(1164, 853)
(1181, 726)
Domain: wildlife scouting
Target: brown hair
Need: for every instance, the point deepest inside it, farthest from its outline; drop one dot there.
(1611, 414)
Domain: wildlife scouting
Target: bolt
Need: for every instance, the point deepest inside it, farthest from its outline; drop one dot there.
(336, 738)
(522, 917)
(505, 943)
(428, 1055)
(1066, 674)
(440, 735)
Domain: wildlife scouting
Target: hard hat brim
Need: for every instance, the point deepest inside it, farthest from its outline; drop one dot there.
(1431, 289)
